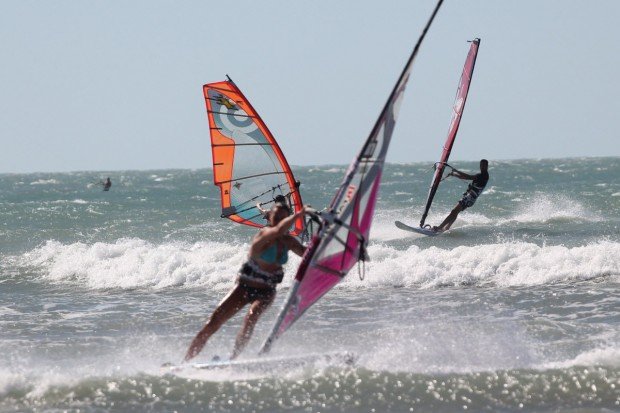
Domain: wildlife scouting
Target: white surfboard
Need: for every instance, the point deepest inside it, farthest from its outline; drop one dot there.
(419, 230)
(268, 363)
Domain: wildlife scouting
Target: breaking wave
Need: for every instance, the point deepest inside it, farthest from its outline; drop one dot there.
(135, 263)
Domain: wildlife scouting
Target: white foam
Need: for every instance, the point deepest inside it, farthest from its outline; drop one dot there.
(4, 311)
(383, 228)
(10, 381)
(550, 208)
(37, 374)
(66, 201)
(503, 264)
(132, 263)
(540, 209)
(328, 170)
(609, 356)
(45, 182)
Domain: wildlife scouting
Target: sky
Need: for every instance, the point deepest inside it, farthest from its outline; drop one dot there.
(117, 85)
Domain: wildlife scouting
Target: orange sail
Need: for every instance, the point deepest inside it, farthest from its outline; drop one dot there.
(248, 165)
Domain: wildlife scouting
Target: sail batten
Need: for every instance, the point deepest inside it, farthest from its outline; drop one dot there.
(342, 239)
(457, 113)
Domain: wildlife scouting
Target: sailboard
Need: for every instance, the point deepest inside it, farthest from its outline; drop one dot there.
(265, 364)
(343, 236)
(420, 230)
(455, 121)
(248, 165)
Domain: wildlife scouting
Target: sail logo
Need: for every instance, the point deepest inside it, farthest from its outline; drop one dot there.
(224, 101)
(229, 116)
(351, 190)
(237, 120)
(458, 105)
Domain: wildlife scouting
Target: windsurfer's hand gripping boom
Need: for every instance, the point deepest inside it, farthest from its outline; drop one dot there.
(461, 175)
(453, 171)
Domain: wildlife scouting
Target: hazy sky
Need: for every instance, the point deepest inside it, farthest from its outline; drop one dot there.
(109, 85)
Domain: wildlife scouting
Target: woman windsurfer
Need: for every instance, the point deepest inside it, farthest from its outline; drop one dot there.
(256, 280)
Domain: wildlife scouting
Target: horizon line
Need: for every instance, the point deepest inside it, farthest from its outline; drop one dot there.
(305, 166)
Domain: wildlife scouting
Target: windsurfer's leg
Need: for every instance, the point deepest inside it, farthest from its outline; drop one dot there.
(230, 305)
(256, 309)
(447, 223)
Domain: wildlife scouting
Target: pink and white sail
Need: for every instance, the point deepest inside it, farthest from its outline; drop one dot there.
(457, 113)
(342, 240)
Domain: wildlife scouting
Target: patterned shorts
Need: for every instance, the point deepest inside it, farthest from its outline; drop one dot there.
(468, 200)
(251, 274)
(254, 293)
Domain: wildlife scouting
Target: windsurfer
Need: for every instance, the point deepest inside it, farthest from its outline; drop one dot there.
(105, 184)
(474, 189)
(256, 280)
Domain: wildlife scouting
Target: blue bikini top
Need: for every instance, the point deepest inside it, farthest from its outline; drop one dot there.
(270, 255)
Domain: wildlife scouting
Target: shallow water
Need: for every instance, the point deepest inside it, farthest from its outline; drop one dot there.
(516, 309)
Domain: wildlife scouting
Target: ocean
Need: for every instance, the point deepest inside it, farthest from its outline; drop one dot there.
(516, 309)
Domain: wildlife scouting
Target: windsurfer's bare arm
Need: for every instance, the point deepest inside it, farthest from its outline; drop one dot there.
(294, 245)
(268, 234)
(462, 175)
(261, 209)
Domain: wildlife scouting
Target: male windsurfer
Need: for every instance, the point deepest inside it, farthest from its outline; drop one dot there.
(107, 184)
(474, 189)
(256, 280)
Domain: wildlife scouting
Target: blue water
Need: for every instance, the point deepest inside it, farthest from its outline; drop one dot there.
(515, 309)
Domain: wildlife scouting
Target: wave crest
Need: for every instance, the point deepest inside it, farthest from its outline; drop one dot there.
(134, 263)
(503, 264)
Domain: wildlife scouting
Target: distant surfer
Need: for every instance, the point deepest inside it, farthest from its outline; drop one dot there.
(479, 181)
(256, 280)
(105, 184)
